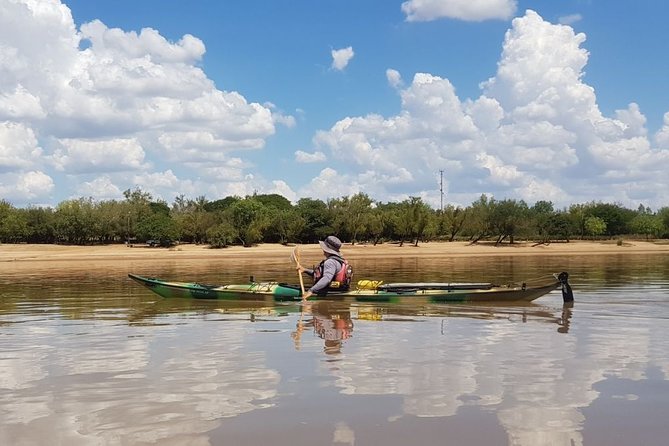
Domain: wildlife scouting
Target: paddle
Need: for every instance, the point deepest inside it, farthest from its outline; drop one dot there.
(295, 256)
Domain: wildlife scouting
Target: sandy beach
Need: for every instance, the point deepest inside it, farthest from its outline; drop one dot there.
(53, 253)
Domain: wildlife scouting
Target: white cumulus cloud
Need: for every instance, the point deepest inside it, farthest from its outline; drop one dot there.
(93, 156)
(662, 136)
(536, 129)
(341, 58)
(29, 186)
(98, 99)
(19, 148)
(570, 19)
(305, 157)
(394, 78)
(101, 188)
(469, 10)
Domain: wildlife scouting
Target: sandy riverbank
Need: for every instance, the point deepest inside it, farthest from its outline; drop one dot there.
(51, 253)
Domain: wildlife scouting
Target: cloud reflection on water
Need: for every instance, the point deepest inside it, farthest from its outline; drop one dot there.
(161, 385)
(536, 385)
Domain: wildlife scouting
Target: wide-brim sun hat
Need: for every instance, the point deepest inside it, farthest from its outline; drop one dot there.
(331, 245)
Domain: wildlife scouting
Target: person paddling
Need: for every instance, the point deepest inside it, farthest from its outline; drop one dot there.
(333, 273)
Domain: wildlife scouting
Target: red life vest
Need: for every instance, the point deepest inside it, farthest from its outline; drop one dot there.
(341, 279)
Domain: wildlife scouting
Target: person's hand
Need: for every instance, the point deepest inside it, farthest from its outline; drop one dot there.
(300, 268)
(307, 294)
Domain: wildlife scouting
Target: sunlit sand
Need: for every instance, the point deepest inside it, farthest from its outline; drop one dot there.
(51, 253)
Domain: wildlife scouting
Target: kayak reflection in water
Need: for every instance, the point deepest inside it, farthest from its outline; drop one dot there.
(332, 324)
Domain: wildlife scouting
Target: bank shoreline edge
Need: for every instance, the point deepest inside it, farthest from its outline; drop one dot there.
(120, 252)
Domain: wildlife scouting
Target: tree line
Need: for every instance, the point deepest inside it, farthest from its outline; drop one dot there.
(271, 218)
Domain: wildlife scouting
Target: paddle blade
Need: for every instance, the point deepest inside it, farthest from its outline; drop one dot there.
(295, 255)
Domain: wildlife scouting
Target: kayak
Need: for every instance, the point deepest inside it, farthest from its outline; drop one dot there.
(366, 291)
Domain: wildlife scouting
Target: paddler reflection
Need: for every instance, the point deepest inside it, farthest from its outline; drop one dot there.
(329, 321)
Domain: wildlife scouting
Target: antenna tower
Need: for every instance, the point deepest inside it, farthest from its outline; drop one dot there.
(441, 189)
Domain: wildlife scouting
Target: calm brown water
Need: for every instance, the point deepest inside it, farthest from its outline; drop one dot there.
(88, 357)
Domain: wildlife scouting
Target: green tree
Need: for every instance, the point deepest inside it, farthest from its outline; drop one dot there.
(478, 224)
(284, 222)
(451, 221)
(157, 226)
(317, 218)
(249, 218)
(542, 214)
(414, 221)
(615, 216)
(41, 225)
(378, 223)
(647, 224)
(13, 225)
(159, 207)
(6, 212)
(111, 223)
(663, 215)
(192, 218)
(137, 195)
(595, 226)
(578, 214)
(75, 222)
(425, 220)
(222, 204)
(221, 235)
(5, 208)
(287, 224)
(137, 208)
(403, 222)
(509, 218)
(276, 201)
(349, 215)
(559, 227)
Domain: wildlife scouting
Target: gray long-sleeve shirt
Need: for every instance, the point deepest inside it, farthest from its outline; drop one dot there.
(330, 268)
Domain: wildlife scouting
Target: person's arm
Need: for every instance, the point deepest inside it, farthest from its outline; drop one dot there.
(307, 271)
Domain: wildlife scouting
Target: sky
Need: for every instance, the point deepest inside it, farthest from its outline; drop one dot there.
(536, 100)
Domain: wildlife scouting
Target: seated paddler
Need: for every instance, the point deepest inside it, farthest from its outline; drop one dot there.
(333, 273)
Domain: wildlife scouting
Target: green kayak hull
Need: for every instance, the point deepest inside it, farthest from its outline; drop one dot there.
(391, 293)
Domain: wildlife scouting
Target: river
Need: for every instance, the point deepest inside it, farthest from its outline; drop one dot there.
(89, 357)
